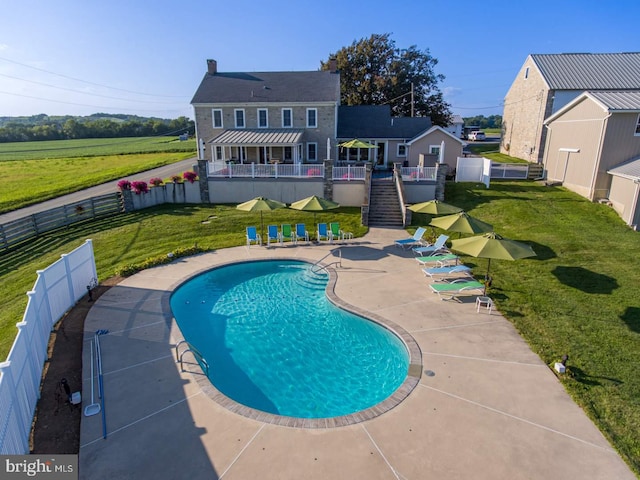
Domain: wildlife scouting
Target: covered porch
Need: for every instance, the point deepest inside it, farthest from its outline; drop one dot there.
(261, 146)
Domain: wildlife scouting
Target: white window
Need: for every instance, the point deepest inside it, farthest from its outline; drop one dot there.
(312, 117)
(434, 149)
(312, 152)
(218, 153)
(216, 115)
(637, 127)
(263, 118)
(239, 113)
(402, 150)
(287, 118)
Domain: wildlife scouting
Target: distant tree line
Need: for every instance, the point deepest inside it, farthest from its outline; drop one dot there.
(492, 121)
(98, 125)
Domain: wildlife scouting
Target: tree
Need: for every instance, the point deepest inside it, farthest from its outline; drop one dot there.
(374, 72)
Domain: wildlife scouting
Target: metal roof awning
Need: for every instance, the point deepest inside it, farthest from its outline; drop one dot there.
(259, 137)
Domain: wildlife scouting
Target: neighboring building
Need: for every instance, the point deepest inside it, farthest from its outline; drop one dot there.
(548, 82)
(262, 117)
(456, 127)
(593, 148)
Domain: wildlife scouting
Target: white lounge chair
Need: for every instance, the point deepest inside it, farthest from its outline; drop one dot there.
(439, 245)
(447, 271)
(416, 239)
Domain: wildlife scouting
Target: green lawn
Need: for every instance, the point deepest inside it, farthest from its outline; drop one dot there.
(578, 297)
(32, 172)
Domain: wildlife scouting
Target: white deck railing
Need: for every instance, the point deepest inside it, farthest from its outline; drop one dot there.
(415, 174)
(255, 170)
(349, 173)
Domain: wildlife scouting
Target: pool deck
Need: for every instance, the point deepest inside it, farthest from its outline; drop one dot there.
(484, 407)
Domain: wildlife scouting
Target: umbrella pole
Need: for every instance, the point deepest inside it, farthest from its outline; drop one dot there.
(261, 226)
(487, 277)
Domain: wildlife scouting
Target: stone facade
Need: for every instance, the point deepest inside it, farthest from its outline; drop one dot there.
(527, 103)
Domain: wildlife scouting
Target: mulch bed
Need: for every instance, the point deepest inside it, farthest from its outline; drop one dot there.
(56, 422)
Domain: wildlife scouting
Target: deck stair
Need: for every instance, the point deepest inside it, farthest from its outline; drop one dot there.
(384, 205)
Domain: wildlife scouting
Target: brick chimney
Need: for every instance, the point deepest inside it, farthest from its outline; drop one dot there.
(333, 65)
(212, 67)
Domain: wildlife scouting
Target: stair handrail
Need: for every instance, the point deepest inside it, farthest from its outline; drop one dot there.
(196, 353)
(399, 184)
(324, 267)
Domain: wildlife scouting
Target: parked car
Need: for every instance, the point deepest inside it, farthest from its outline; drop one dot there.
(477, 135)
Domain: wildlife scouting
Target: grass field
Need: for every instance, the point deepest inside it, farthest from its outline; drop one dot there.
(87, 147)
(32, 172)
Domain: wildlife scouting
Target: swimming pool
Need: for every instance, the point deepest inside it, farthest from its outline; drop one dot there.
(275, 343)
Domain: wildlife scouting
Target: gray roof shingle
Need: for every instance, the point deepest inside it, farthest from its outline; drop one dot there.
(375, 121)
(590, 71)
(629, 169)
(268, 87)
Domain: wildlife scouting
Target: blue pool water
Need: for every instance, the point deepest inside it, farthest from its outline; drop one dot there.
(274, 342)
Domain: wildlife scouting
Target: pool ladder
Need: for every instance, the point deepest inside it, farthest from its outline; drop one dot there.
(323, 267)
(198, 356)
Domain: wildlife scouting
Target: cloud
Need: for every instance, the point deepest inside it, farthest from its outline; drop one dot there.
(449, 92)
(3, 46)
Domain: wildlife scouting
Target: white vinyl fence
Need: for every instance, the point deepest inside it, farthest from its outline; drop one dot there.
(57, 288)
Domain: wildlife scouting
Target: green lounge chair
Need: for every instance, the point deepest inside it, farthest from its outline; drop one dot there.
(452, 290)
(336, 234)
(286, 233)
(440, 259)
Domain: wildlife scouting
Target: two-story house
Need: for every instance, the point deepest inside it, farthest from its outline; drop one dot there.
(266, 117)
(548, 82)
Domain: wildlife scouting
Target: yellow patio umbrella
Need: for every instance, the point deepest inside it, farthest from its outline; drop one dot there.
(461, 222)
(314, 204)
(356, 143)
(491, 245)
(260, 204)
(434, 207)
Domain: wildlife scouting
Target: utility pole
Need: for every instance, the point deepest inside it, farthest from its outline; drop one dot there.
(411, 99)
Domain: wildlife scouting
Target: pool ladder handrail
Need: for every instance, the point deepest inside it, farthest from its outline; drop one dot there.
(324, 267)
(198, 356)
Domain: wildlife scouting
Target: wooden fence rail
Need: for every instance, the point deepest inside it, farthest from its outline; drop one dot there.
(17, 231)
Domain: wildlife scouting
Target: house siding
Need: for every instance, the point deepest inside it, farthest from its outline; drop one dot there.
(452, 148)
(623, 197)
(582, 128)
(619, 145)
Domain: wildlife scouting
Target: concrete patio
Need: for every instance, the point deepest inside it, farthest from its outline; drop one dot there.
(485, 406)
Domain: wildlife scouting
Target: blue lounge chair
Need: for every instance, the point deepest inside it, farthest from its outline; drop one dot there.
(253, 236)
(301, 232)
(272, 234)
(439, 245)
(447, 271)
(452, 290)
(287, 233)
(440, 259)
(411, 241)
(323, 232)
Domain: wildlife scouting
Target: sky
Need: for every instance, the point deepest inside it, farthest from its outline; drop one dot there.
(78, 57)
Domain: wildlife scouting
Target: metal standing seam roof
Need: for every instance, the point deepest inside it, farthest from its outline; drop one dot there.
(259, 137)
(629, 169)
(628, 100)
(590, 71)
